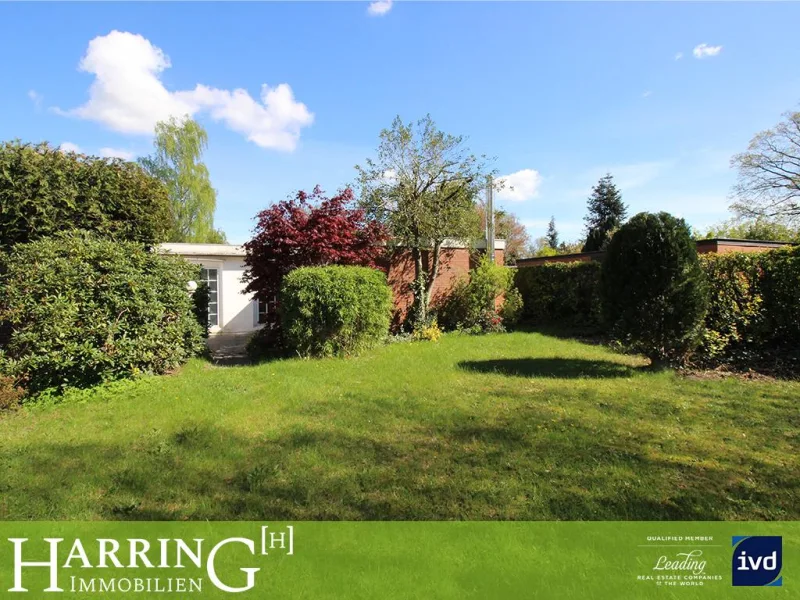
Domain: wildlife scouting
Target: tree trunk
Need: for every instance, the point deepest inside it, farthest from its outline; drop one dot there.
(434, 272)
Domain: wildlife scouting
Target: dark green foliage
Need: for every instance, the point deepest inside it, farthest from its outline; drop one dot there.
(472, 303)
(606, 213)
(200, 299)
(86, 309)
(781, 290)
(334, 310)
(653, 290)
(552, 234)
(44, 190)
(560, 293)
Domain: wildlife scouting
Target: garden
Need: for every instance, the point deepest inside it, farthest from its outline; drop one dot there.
(500, 426)
(680, 404)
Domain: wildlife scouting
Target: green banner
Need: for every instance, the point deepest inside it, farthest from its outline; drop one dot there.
(387, 560)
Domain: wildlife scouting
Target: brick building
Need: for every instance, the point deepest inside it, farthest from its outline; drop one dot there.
(234, 316)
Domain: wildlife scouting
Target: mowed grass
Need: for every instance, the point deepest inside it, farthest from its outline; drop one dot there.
(513, 426)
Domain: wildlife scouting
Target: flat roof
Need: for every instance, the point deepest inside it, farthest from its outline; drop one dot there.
(193, 249)
(741, 242)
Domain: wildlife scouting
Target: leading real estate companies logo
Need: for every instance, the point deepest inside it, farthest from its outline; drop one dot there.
(202, 563)
(757, 560)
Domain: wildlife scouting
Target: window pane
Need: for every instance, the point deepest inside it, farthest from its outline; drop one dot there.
(212, 320)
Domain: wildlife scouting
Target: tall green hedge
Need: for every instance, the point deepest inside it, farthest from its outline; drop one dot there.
(753, 310)
(334, 310)
(560, 293)
(85, 309)
(44, 191)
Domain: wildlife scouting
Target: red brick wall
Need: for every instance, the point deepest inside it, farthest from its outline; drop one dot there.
(453, 264)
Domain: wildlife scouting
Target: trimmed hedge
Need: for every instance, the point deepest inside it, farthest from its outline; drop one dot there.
(754, 309)
(334, 310)
(44, 190)
(560, 293)
(653, 290)
(85, 309)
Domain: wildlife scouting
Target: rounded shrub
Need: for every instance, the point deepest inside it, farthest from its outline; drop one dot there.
(334, 310)
(84, 309)
(653, 290)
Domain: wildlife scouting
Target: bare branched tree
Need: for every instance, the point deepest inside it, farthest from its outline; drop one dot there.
(769, 174)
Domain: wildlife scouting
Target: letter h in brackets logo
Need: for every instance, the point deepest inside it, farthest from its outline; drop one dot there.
(757, 560)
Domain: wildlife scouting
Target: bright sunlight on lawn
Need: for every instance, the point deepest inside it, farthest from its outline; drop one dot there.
(509, 426)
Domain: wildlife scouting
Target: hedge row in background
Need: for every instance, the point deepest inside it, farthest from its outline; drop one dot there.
(334, 310)
(85, 309)
(44, 190)
(753, 309)
(560, 294)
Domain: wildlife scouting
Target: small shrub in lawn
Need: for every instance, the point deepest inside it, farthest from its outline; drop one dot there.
(85, 309)
(653, 289)
(430, 332)
(472, 303)
(334, 310)
(10, 395)
(564, 294)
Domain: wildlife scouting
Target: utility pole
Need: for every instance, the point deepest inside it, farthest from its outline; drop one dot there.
(490, 220)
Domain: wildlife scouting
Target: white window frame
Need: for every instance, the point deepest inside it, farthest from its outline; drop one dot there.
(214, 264)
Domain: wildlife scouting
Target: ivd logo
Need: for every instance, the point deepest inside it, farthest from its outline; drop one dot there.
(757, 560)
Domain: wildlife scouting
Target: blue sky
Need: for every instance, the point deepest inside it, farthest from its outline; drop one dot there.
(560, 93)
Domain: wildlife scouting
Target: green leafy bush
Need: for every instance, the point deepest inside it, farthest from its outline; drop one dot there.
(85, 309)
(780, 287)
(511, 311)
(653, 290)
(735, 314)
(334, 310)
(560, 293)
(200, 299)
(44, 190)
(472, 303)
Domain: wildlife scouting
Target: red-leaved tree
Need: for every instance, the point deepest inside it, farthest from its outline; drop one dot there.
(309, 230)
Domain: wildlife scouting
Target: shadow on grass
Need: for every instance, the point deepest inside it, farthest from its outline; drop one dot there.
(562, 368)
(516, 468)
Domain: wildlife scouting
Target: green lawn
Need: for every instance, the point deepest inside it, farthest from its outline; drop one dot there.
(514, 426)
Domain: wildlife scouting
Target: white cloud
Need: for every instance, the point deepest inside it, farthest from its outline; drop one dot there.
(36, 98)
(379, 8)
(520, 186)
(647, 94)
(70, 147)
(679, 56)
(117, 153)
(704, 50)
(127, 95)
